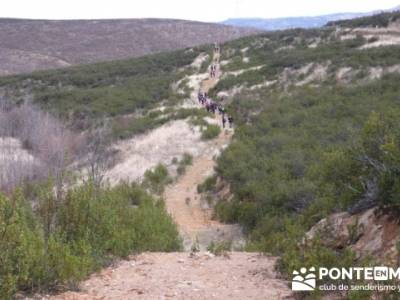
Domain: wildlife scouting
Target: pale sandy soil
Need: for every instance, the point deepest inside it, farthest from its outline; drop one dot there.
(156, 276)
(239, 72)
(318, 73)
(193, 215)
(385, 36)
(160, 145)
(199, 60)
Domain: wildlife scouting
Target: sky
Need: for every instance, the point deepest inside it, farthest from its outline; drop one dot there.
(204, 10)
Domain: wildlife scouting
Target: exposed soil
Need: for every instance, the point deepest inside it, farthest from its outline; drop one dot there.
(177, 276)
(160, 145)
(191, 213)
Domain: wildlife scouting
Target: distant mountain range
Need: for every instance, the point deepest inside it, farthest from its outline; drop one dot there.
(297, 22)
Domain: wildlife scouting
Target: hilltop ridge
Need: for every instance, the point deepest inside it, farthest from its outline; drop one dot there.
(31, 45)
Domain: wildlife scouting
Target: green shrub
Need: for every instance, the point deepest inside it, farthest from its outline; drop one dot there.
(219, 248)
(208, 184)
(156, 180)
(186, 160)
(88, 227)
(155, 230)
(210, 132)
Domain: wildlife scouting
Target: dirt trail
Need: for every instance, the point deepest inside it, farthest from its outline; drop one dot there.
(190, 211)
(184, 275)
(193, 215)
(156, 276)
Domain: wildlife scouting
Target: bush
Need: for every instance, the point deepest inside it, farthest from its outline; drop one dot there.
(207, 185)
(186, 160)
(219, 248)
(65, 239)
(156, 180)
(211, 132)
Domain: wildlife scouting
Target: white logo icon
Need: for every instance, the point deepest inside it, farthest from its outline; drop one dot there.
(303, 280)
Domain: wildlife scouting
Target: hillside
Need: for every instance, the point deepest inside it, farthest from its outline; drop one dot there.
(30, 45)
(317, 142)
(84, 93)
(290, 22)
(298, 22)
(378, 20)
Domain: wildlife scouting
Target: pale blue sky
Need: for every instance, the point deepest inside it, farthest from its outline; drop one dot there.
(205, 10)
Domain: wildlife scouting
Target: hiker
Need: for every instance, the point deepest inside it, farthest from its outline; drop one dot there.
(221, 110)
(213, 107)
(199, 97)
(230, 120)
(223, 121)
(213, 70)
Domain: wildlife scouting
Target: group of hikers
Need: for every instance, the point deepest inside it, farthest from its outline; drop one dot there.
(211, 106)
(214, 108)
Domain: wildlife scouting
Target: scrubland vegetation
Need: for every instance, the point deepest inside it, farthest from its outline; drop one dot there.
(62, 239)
(83, 93)
(378, 20)
(55, 232)
(267, 54)
(301, 153)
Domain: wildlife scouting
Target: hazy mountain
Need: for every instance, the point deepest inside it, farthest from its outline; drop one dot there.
(296, 22)
(29, 45)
